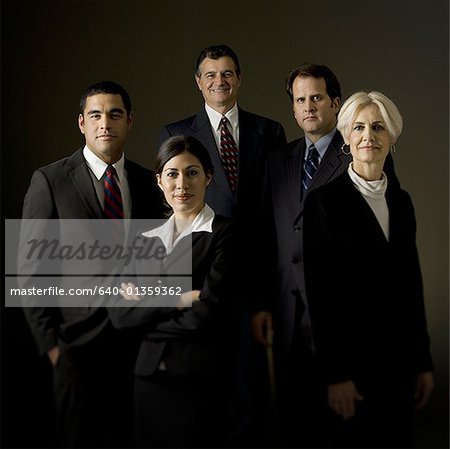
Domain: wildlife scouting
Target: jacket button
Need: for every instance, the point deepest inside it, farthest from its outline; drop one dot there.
(297, 228)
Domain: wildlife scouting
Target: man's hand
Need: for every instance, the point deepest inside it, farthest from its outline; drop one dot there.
(129, 287)
(262, 330)
(53, 355)
(342, 398)
(424, 387)
(188, 298)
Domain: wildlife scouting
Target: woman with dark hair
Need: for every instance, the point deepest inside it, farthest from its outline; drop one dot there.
(181, 369)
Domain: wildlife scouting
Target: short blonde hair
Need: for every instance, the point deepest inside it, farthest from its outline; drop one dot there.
(359, 100)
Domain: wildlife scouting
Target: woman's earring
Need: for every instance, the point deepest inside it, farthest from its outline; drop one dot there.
(344, 145)
(393, 149)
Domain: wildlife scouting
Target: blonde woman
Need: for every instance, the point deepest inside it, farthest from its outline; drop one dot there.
(364, 286)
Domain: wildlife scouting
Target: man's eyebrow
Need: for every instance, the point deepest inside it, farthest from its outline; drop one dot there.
(96, 111)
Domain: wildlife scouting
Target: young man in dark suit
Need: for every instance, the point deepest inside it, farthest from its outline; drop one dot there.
(236, 195)
(315, 94)
(93, 362)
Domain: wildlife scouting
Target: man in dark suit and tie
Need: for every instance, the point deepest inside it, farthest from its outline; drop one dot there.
(291, 173)
(93, 362)
(238, 142)
(218, 77)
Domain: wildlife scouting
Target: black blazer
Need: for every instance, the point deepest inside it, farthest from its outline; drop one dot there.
(257, 137)
(365, 292)
(64, 190)
(195, 340)
(282, 210)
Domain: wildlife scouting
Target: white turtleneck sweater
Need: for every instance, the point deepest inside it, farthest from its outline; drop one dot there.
(374, 193)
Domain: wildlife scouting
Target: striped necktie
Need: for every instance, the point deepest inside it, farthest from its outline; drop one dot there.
(310, 167)
(229, 154)
(113, 206)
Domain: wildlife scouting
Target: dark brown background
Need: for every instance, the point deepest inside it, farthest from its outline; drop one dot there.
(51, 50)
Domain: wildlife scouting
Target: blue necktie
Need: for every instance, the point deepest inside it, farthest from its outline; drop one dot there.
(310, 167)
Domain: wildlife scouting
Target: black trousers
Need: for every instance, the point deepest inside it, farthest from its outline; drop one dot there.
(303, 414)
(181, 411)
(93, 385)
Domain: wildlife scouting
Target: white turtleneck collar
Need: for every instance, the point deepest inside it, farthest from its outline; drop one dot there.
(374, 194)
(372, 189)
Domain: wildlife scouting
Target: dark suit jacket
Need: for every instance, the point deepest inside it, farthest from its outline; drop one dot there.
(365, 292)
(257, 137)
(283, 207)
(64, 190)
(195, 340)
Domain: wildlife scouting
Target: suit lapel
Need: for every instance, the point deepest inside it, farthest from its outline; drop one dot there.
(397, 216)
(180, 260)
(135, 190)
(249, 136)
(82, 181)
(368, 223)
(294, 170)
(331, 162)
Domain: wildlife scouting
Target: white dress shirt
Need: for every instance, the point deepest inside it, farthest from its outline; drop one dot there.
(233, 122)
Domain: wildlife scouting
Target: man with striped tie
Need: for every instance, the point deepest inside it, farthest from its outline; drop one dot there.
(238, 142)
(92, 361)
(291, 173)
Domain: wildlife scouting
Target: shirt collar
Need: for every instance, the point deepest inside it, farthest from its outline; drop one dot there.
(202, 223)
(98, 166)
(322, 144)
(214, 117)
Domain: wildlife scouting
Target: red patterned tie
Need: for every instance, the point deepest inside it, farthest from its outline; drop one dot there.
(229, 153)
(113, 207)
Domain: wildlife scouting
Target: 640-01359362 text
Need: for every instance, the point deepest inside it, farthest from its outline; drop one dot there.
(98, 290)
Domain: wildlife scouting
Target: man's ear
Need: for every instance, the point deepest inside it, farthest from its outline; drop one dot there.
(81, 123)
(336, 102)
(197, 80)
(130, 121)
